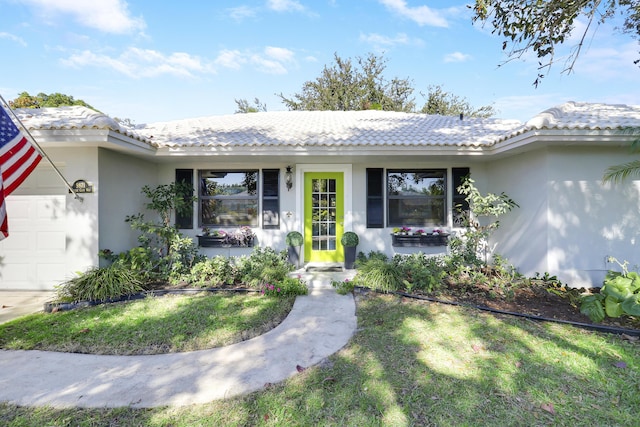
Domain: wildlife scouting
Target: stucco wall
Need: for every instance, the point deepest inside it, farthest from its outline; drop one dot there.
(119, 193)
(568, 222)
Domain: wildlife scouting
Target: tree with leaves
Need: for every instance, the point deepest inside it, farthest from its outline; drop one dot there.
(361, 85)
(42, 100)
(540, 26)
(447, 104)
(348, 86)
(244, 107)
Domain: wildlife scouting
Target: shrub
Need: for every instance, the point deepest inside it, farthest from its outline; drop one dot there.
(620, 295)
(294, 238)
(349, 239)
(215, 271)
(420, 272)
(263, 265)
(289, 286)
(101, 283)
(379, 275)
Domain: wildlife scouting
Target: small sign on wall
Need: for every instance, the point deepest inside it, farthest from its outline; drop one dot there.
(82, 186)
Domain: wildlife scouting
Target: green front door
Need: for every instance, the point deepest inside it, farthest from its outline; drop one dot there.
(323, 216)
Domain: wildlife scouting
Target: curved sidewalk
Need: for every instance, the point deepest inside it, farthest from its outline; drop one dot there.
(319, 324)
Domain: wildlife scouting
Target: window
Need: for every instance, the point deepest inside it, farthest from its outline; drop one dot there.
(184, 220)
(417, 197)
(375, 198)
(271, 198)
(228, 198)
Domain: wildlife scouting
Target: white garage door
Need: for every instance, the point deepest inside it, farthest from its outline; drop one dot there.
(34, 254)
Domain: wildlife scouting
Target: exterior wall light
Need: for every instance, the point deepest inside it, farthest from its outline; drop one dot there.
(288, 178)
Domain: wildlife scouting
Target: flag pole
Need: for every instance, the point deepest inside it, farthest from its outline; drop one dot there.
(33, 141)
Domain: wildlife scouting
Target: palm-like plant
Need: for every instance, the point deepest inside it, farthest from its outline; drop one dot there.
(620, 173)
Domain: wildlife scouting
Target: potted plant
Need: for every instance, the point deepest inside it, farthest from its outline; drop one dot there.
(349, 241)
(294, 241)
(212, 238)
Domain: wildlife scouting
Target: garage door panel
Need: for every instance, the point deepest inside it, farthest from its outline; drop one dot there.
(34, 254)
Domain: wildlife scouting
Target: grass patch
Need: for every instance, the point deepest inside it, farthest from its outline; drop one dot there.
(171, 323)
(419, 363)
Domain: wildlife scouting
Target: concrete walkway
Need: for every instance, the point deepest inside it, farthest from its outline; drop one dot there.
(319, 324)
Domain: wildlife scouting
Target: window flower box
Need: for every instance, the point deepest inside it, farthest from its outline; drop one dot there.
(242, 238)
(418, 240)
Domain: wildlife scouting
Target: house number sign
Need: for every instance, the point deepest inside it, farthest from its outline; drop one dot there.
(82, 186)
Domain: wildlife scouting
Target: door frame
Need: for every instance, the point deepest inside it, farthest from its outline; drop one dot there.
(345, 169)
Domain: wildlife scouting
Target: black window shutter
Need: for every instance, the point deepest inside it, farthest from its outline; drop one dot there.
(460, 204)
(271, 198)
(185, 220)
(375, 198)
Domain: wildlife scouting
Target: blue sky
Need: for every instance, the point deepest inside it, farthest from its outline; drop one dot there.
(155, 61)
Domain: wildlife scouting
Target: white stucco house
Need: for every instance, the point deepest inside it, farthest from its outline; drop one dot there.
(366, 171)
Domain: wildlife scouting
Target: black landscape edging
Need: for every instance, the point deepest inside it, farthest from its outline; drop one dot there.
(65, 306)
(598, 328)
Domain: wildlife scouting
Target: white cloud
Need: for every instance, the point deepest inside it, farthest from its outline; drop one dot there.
(233, 59)
(273, 60)
(285, 5)
(456, 57)
(241, 12)
(138, 63)
(110, 16)
(380, 40)
(421, 15)
(13, 38)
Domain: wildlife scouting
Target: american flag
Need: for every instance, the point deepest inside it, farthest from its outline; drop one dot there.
(18, 158)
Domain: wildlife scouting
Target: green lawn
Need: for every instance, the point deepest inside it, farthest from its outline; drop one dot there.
(418, 363)
(170, 323)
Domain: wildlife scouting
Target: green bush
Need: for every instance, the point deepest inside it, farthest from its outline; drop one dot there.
(620, 295)
(101, 283)
(263, 265)
(379, 275)
(212, 272)
(420, 272)
(289, 286)
(349, 239)
(294, 238)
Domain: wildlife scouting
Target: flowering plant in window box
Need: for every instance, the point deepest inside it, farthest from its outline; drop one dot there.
(419, 232)
(244, 236)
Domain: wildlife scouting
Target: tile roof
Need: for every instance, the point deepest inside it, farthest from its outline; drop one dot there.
(337, 128)
(328, 128)
(72, 117)
(581, 116)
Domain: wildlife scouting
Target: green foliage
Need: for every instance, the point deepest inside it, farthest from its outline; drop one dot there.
(343, 287)
(42, 100)
(448, 104)
(472, 246)
(263, 265)
(288, 286)
(538, 27)
(362, 258)
(346, 86)
(620, 295)
(361, 85)
(294, 238)
(211, 272)
(244, 107)
(100, 283)
(379, 275)
(164, 251)
(421, 272)
(349, 239)
(619, 173)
